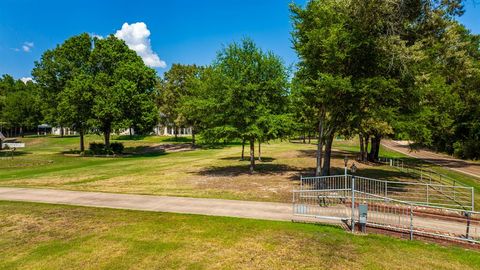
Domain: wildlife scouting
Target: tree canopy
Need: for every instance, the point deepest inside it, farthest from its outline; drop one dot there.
(245, 96)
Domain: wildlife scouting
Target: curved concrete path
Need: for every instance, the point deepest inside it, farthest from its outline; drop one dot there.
(466, 167)
(213, 207)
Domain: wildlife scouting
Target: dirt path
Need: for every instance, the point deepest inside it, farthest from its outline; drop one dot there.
(466, 167)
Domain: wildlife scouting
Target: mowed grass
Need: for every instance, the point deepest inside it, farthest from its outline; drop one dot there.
(37, 236)
(207, 172)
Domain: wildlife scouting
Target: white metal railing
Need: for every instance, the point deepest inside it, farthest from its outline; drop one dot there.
(428, 194)
(420, 173)
(333, 199)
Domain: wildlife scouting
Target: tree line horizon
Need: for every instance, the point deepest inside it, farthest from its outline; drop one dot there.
(373, 69)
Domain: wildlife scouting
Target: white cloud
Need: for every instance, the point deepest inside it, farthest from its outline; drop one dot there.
(26, 79)
(137, 37)
(27, 46)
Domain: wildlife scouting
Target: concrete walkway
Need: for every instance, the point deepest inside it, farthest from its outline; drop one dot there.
(466, 167)
(212, 207)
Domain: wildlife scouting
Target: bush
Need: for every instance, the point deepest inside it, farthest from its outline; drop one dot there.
(101, 149)
(97, 148)
(467, 149)
(117, 147)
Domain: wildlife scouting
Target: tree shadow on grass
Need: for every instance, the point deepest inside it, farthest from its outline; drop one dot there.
(8, 153)
(130, 138)
(264, 159)
(237, 170)
(144, 151)
(384, 174)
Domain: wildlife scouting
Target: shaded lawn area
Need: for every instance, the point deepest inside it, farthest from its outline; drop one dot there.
(38, 236)
(209, 172)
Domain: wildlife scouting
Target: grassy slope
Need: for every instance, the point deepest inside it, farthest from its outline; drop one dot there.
(36, 236)
(352, 146)
(213, 173)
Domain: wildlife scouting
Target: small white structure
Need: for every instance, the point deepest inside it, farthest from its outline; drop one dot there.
(66, 131)
(162, 130)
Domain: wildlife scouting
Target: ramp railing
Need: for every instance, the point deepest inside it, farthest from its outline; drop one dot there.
(342, 197)
(427, 194)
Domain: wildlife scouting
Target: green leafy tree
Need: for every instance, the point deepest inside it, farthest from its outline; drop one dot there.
(55, 69)
(21, 107)
(76, 102)
(123, 86)
(247, 95)
(177, 88)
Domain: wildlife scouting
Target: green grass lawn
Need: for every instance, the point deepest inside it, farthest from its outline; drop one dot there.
(207, 172)
(37, 236)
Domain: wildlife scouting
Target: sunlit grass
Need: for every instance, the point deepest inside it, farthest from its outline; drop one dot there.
(36, 236)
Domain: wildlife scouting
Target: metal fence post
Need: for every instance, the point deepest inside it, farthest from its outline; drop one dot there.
(468, 224)
(473, 199)
(353, 203)
(428, 201)
(386, 189)
(411, 223)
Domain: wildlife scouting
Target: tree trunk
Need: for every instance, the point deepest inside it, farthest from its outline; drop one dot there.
(362, 147)
(130, 132)
(106, 135)
(366, 139)
(243, 149)
(303, 137)
(328, 155)
(375, 148)
(21, 132)
(252, 155)
(61, 131)
(259, 150)
(193, 137)
(175, 130)
(82, 142)
(318, 169)
(309, 137)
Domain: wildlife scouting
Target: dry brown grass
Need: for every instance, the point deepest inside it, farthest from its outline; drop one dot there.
(38, 236)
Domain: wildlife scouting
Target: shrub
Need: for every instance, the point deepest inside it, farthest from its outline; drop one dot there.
(117, 147)
(101, 149)
(469, 149)
(97, 148)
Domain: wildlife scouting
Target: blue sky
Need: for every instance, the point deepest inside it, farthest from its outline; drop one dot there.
(180, 31)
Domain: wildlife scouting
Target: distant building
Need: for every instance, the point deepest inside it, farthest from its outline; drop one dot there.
(162, 130)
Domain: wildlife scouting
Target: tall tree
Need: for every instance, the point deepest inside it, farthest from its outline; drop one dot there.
(247, 95)
(367, 45)
(76, 102)
(123, 86)
(55, 69)
(177, 89)
(21, 107)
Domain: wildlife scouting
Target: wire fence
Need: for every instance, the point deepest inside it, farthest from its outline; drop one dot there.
(342, 197)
